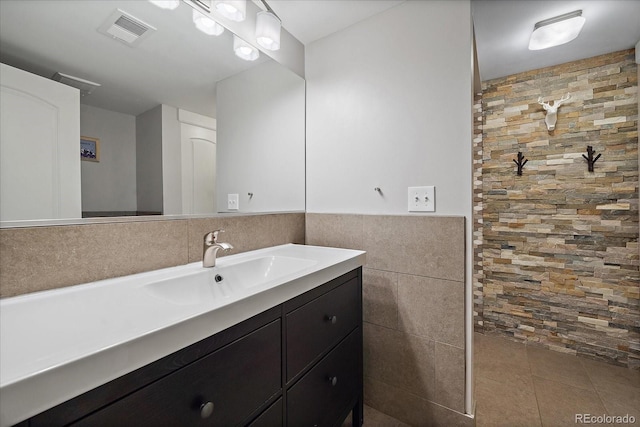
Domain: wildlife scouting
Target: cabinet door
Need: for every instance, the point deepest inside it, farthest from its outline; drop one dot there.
(320, 324)
(39, 147)
(323, 395)
(222, 389)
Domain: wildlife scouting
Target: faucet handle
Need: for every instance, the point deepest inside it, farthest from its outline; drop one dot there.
(212, 237)
(215, 235)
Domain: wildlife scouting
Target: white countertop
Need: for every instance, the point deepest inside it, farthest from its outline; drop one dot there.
(58, 344)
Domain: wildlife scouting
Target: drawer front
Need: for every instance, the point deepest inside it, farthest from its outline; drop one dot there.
(320, 324)
(236, 380)
(272, 417)
(323, 394)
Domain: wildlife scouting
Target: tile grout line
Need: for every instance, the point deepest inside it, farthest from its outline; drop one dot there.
(595, 388)
(411, 274)
(535, 392)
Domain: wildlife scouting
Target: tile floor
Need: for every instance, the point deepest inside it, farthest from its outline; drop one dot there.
(373, 418)
(526, 386)
(519, 385)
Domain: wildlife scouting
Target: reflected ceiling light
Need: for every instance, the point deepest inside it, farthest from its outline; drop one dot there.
(206, 24)
(556, 31)
(244, 50)
(166, 4)
(268, 27)
(235, 10)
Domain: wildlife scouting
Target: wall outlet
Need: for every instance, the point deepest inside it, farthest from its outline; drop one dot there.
(422, 199)
(233, 202)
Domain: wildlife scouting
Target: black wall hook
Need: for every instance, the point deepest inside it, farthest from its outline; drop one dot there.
(591, 160)
(520, 163)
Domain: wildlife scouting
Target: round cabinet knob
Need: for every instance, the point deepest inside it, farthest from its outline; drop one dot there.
(206, 409)
(333, 381)
(332, 319)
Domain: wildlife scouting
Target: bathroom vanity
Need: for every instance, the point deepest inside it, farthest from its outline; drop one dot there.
(294, 359)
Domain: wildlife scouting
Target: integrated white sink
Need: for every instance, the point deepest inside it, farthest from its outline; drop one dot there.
(58, 344)
(215, 284)
(257, 272)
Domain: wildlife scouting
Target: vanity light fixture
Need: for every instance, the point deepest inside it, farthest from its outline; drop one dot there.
(235, 10)
(206, 24)
(556, 31)
(166, 4)
(244, 50)
(268, 26)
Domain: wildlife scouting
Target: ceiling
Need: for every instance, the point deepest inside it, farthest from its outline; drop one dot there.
(179, 66)
(310, 20)
(176, 65)
(502, 27)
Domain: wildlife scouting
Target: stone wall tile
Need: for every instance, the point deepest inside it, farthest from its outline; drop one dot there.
(558, 244)
(41, 258)
(335, 230)
(400, 359)
(410, 408)
(380, 297)
(431, 308)
(421, 245)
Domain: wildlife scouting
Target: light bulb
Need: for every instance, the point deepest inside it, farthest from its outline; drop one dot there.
(244, 50)
(235, 10)
(166, 4)
(206, 24)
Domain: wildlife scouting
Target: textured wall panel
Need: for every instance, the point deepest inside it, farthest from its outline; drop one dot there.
(560, 243)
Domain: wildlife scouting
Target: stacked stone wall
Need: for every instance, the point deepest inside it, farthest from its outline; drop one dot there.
(559, 251)
(478, 274)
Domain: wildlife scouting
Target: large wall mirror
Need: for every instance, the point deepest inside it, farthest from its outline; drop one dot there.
(178, 125)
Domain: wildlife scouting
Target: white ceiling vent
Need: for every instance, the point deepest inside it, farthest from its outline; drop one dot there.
(126, 28)
(85, 86)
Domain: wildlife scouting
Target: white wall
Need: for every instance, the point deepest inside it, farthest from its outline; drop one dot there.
(149, 160)
(109, 185)
(389, 105)
(260, 139)
(171, 162)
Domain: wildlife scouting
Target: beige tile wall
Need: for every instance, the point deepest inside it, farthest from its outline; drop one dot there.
(413, 304)
(40, 258)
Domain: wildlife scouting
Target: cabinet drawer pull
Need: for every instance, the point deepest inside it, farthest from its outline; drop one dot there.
(206, 409)
(333, 381)
(332, 319)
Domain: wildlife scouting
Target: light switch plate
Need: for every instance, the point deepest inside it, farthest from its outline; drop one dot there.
(233, 202)
(422, 199)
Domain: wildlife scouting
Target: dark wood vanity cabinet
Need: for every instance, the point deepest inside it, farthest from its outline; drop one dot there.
(223, 389)
(297, 364)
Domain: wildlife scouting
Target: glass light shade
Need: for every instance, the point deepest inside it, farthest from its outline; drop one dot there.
(235, 10)
(556, 31)
(206, 24)
(244, 50)
(166, 4)
(268, 30)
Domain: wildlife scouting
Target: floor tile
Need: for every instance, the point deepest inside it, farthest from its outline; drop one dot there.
(620, 399)
(560, 403)
(552, 365)
(601, 372)
(500, 404)
(499, 359)
(374, 418)
(517, 385)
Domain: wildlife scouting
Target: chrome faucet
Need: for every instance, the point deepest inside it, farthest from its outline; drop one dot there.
(210, 248)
